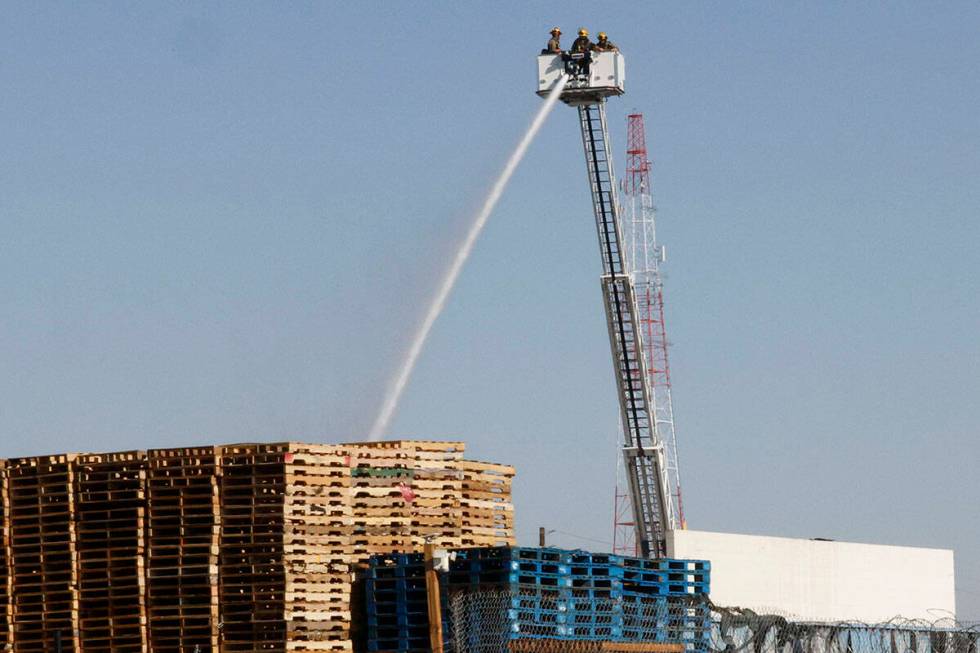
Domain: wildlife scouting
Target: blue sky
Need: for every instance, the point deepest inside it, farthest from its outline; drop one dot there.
(221, 222)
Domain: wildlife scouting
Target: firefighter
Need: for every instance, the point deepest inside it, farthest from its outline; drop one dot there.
(582, 43)
(579, 55)
(554, 44)
(604, 44)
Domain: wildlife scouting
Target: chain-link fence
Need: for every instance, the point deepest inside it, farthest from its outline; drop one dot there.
(488, 621)
(492, 621)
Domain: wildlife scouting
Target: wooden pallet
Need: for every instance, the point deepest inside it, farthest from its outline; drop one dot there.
(317, 562)
(43, 553)
(6, 578)
(384, 473)
(251, 572)
(486, 505)
(184, 519)
(238, 548)
(110, 511)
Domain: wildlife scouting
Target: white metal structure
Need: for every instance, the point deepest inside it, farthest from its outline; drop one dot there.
(607, 76)
(643, 450)
(647, 254)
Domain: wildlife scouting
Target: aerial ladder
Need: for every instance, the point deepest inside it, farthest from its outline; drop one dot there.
(590, 82)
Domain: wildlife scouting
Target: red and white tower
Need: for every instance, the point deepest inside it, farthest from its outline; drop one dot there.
(646, 256)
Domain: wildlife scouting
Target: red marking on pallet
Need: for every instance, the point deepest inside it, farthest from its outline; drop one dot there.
(407, 493)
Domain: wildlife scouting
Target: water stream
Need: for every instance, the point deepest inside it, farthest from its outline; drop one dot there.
(397, 385)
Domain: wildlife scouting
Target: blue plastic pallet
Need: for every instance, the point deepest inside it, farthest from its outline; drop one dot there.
(480, 565)
(382, 604)
(585, 612)
(416, 638)
(662, 577)
(397, 632)
(417, 607)
(406, 618)
(392, 610)
(518, 553)
(595, 620)
(540, 603)
(540, 567)
(675, 589)
(593, 633)
(400, 632)
(546, 617)
(587, 557)
(536, 631)
(382, 573)
(595, 582)
(538, 581)
(414, 586)
(599, 610)
(513, 567)
(667, 564)
(595, 571)
(595, 594)
(557, 594)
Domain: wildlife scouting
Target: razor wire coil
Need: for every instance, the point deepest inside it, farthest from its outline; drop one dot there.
(511, 621)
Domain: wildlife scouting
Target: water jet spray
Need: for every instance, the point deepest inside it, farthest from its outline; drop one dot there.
(398, 383)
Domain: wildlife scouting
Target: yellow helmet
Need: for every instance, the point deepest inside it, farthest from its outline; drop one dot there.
(555, 30)
(602, 36)
(583, 32)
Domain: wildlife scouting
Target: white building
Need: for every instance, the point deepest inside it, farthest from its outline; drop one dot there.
(820, 580)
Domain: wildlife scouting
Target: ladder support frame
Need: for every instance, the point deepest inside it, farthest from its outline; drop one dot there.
(643, 451)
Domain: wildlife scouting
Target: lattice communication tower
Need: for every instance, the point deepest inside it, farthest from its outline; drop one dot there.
(646, 257)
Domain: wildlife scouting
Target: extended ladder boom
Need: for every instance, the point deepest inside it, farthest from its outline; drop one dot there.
(643, 452)
(590, 81)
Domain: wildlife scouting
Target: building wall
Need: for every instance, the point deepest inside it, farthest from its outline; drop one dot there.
(816, 580)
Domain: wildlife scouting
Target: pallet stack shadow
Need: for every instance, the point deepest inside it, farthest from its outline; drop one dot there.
(6, 582)
(42, 563)
(110, 521)
(182, 548)
(232, 548)
(506, 593)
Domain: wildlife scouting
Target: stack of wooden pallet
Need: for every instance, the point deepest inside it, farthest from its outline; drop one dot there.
(403, 493)
(43, 556)
(381, 476)
(487, 510)
(182, 548)
(6, 582)
(109, 518)
(317, 552)
(237, 548)
(435, 492)
(252, 585)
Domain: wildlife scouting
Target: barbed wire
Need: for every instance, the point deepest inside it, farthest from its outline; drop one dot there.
(742, 629)
(494, 620)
